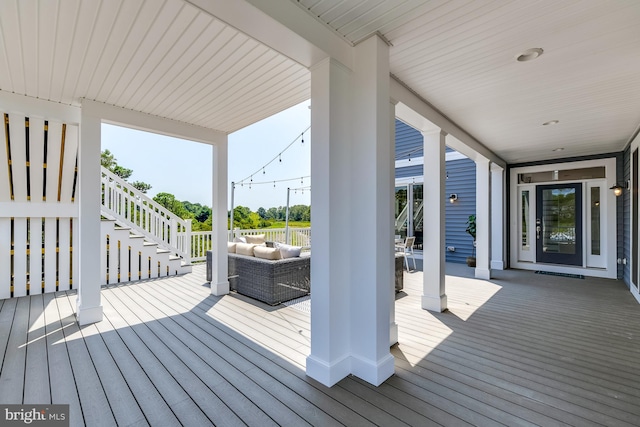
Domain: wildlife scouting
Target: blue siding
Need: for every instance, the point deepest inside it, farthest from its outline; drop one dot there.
(408, 142)
(409, 171)
(462, 181)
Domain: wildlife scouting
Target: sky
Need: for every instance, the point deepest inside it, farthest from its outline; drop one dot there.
(184, 168)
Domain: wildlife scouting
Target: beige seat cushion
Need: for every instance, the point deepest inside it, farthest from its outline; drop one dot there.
(257, 238)
(231, 247)
(266, 253)
(245, 249)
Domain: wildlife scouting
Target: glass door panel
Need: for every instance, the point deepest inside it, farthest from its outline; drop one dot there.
(401, 210)
(559, 224)
(418, 213)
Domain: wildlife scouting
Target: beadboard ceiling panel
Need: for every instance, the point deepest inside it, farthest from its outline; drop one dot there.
(171, 59)
(166, 58)
(460, 56)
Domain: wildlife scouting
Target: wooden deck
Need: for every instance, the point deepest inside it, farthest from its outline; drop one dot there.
(523, 349)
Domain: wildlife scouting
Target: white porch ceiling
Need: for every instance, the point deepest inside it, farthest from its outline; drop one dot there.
(460, 56)
(166, 58)
(171, 59)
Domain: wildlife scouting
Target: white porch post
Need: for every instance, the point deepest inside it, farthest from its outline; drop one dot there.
(393, 326)
(88, 308)
(372, 171)
(434, 296)
(352, 166)
(329, 360)
(483, 219)
(497, 217)
(219, 234)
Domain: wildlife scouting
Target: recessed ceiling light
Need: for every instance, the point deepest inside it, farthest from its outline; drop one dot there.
(530, 54)
(551, 123)
(558, 149)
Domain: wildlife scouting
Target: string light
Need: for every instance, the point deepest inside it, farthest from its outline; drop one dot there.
(278, 156)
(253, 183)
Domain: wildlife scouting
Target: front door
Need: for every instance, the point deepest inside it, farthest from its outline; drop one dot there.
(559, 224)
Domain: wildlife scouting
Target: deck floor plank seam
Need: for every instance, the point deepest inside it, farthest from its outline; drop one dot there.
(562, 398)
(278, 361)
(214, 346)
(194, 388)
(62, 380)
(148, 397)
(96, 408)
(222, 384)
(541, 362)
(37, 368)
(183, 407)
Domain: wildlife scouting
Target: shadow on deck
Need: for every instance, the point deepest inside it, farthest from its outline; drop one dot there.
(520, 349)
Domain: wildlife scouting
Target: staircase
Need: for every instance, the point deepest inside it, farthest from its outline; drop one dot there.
(139, 238)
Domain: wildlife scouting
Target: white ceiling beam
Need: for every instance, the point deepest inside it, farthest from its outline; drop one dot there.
(417, 113)
(286, 29)
(34, 107)
(155, 124)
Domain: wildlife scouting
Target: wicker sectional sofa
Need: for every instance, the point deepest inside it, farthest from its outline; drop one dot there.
(270, 281)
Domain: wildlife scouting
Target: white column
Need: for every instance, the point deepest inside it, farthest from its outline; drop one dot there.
(372, 263)
(498, 218)
(434, 297)
(393, 326)
(329, 360)
(352, 267)
(219, 267)
(88, 308)
(483, 219)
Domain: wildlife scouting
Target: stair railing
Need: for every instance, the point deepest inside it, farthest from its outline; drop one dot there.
(133, 208)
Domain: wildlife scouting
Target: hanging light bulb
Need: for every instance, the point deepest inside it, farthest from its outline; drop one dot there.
(274, 184)
(302, 180)
(280, 157)
(251, 179)
(263, 172)
(302, 137)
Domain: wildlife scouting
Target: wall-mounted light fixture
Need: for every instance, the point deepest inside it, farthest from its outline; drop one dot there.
(617, 189)
(453, 197)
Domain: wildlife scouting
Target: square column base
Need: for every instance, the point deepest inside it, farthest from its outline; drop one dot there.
(483, 273)
(328, 373)
(89, 315)
(219, 289)
(373, 373)
(497, 265)
(437, 304)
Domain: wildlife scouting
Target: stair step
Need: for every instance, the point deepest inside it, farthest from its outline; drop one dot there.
(150, 244)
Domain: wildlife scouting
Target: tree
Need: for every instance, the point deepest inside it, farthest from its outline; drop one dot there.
(169, 201)
(109, 162)
(262, 212)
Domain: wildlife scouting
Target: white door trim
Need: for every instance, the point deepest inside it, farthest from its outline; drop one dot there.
(609, 235)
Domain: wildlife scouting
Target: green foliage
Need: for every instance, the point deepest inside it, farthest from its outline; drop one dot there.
(141, 186)
(471, 226)
(109, 162)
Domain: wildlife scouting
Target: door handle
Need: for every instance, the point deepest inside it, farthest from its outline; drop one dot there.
(538, 228)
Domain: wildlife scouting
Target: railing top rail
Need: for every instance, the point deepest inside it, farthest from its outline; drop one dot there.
(143, 197)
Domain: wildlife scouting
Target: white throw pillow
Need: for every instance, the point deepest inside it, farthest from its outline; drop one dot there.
(257, 238)
(245, 249)
(240, 239)
(266, 253)
(231, 247)
(288, 251)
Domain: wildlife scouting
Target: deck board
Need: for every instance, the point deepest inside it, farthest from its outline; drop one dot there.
(518, 350)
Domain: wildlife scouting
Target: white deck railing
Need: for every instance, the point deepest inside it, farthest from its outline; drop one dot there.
(146, 217)
(201, 240)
